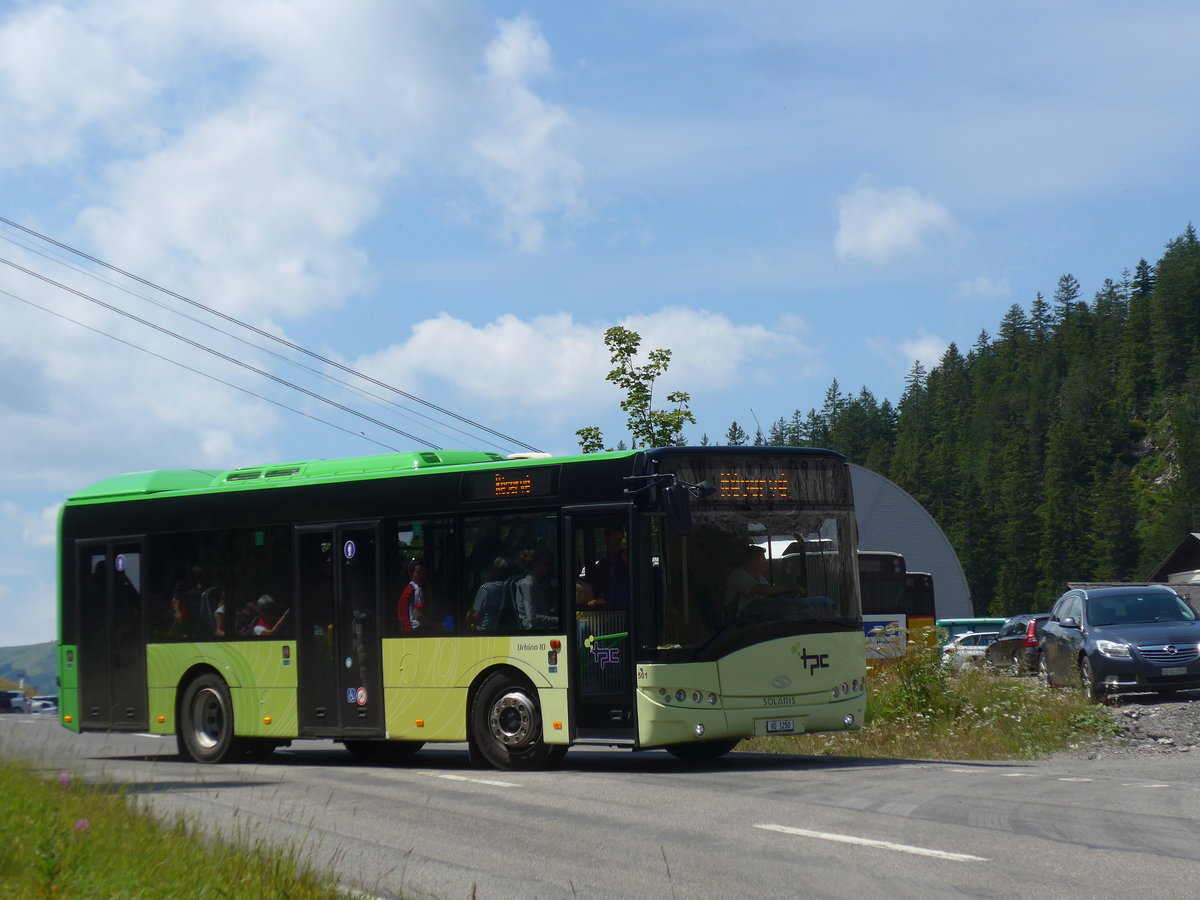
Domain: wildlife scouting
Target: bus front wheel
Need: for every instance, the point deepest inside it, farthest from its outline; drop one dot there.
(506, 725)
(205, 727)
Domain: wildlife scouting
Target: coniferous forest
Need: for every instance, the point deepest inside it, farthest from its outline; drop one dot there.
(1066, 447)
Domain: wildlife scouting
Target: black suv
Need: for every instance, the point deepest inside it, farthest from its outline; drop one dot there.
(1016, 648)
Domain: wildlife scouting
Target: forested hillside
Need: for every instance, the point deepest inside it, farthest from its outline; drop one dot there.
(1064, 448)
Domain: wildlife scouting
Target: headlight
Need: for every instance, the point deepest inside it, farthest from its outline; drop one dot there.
(1113, 648)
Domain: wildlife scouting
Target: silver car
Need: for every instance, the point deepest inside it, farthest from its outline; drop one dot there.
(967, 649)
(17, 702)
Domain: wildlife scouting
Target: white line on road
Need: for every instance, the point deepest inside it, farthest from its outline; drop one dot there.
(491, 781)
(867, 842)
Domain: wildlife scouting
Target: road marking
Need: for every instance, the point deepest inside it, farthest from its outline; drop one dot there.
(867, 842)
(1077, 779)
(1018, 774)
(492, 781)
(1143, 785)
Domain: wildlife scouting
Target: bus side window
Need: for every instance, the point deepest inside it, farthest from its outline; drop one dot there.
(421, 561)
(529, 542)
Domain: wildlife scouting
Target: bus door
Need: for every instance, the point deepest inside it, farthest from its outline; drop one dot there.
(340, 681)
(598, 557)
(112, 639)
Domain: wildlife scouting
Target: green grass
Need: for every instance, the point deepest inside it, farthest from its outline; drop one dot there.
(60, 837)
(916, 709)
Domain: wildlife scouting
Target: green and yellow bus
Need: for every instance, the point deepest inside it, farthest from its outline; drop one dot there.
(520, 605)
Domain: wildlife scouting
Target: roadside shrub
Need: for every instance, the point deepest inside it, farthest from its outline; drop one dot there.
(917, 708)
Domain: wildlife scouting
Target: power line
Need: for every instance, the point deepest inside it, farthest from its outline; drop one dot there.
(212, 377)
(299, 349)
(429, 421)
(217, 353)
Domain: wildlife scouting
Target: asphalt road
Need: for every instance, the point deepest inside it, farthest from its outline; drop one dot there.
(643, 825)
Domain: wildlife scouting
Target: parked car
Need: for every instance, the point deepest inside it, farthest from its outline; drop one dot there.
(975, 624)
(17, 702)
(44, 704)
(1122, 640)
(1017, 648)
(967, 649)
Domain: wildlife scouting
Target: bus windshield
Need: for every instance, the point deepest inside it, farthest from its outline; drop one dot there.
(769, 554)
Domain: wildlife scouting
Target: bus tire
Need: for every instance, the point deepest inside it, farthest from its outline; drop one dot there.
(381, 751)
(205, 729)
(701, 751)
(506, 725)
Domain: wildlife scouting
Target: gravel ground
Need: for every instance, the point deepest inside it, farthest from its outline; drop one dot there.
(1152, 725)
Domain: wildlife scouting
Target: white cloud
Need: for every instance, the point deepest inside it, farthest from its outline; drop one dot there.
(925, 348)
(882, 226)
(244, 200)
(64, 73)
(519, 157)
(27, 590)
(549, 371)
(984, 288)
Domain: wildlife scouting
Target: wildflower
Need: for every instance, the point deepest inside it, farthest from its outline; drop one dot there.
(64, 778)
(82, 825)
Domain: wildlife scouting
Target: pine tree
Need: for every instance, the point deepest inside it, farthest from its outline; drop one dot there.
(1065, 296)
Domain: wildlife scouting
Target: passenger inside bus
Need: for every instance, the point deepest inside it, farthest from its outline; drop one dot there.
(413, 599)
(534, 592)
(488, 608)
(610, 573)
(180, 627)
(585, 595)
(748, 582)
(215, 597)
(270, 620)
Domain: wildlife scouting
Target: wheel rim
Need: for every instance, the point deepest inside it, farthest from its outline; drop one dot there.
(1086, 677)
(208, 718)
(513, 720)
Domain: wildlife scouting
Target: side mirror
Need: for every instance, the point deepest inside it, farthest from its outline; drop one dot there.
(679, 510)
(1068, 622)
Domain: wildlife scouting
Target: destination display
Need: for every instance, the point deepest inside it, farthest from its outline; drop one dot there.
(760, 486)
(511, 484)
(765, 480)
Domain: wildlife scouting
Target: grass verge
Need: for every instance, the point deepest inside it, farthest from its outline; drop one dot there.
(60, 837)
(917, 709)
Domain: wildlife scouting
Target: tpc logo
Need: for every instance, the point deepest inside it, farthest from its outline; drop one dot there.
(811, 661)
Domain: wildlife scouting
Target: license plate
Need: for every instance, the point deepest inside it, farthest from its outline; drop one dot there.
(780, 726)
(1175, 670)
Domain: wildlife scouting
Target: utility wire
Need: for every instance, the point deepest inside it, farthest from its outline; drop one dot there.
(175, 362)
(429, 421)
(216, 353)
(268, 335)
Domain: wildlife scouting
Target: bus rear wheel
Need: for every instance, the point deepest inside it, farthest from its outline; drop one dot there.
(701, 751)
(506, 725)
(205, 727)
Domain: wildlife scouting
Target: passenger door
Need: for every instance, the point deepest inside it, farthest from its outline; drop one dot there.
(340, 682)
(112, 638)
(600, 634)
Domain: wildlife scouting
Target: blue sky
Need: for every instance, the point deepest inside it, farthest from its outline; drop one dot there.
(458, 198)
